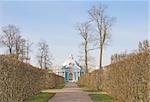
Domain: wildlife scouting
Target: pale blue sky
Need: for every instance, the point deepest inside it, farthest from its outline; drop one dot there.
(54, 21)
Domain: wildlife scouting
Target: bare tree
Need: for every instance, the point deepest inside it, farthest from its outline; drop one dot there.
(17, 45)
(144, 46)
(119, 57)
(19, 42)
(23, 50)
(8, 36)
(44, 57)
(140, 47)
(103, 26)
(90, 59)
(28, 46)
(84, 29)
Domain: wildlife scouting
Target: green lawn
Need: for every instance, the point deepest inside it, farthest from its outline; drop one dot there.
(101, 98)
(41, 97)
(59, 86)
(84, 88)
(44, 96)
(98, 96)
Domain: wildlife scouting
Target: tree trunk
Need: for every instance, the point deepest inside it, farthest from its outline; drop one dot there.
(86, 59)
(41, 62)
(101, 56)
(45, 62)
(17, 51)
(10, 50)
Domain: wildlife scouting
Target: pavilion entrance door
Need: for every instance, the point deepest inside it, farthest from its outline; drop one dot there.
(70, 76)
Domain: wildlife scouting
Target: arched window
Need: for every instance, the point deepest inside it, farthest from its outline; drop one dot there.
(70, 76)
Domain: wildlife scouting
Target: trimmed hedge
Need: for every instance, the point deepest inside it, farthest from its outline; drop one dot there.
(93, 80)
(18, 81)
(126, 81)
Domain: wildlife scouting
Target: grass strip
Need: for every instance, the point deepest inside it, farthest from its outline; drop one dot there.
(41, 97)
(101, 97)
(59, 86)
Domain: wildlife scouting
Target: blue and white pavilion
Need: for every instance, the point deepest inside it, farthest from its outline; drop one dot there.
(71, 70)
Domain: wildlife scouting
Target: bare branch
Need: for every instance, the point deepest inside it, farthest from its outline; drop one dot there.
(44, 57)
(103, 25)
(8, 36)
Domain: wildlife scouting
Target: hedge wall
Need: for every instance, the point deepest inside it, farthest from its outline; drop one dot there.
(93, 80)
(18, 81)
(125, 81)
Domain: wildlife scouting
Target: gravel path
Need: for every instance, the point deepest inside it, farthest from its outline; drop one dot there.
(70, 93)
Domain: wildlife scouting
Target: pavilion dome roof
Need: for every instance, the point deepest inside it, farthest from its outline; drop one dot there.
(70, 61)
